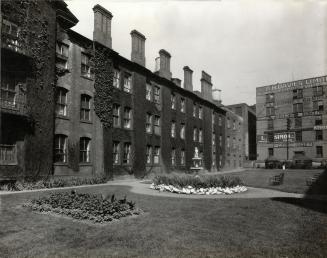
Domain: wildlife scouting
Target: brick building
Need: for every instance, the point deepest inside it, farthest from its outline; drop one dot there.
(304, 104)
(249, 129)
(156, 121)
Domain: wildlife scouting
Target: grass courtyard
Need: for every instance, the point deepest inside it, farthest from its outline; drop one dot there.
(170, 227)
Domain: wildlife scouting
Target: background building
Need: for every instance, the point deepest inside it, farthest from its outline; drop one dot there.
(304, 104)
(249, 129)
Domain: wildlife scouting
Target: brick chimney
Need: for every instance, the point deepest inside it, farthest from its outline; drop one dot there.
(188, 73)
(177, 81)
(138, 47)
(206, 86)
(164, 64)
(216, 96)
(102, 26)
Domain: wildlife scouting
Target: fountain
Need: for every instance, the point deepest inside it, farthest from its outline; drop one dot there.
(197, 161)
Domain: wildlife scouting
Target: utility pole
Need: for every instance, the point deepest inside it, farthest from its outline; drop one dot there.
(288, 126)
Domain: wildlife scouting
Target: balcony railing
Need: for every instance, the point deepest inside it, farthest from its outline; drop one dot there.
(14, 106)
(8, 154)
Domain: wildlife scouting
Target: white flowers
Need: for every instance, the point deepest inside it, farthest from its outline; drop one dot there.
(201, 191)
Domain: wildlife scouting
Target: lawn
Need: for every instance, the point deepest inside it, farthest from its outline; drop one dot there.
(170, 227)
(294, 180)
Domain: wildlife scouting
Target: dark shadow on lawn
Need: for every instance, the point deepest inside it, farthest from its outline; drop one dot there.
(307, 203)
(319, 186)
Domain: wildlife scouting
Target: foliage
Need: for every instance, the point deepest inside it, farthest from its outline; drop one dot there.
(52, 183)
(85, 206)
(73, 155)
(203, 181)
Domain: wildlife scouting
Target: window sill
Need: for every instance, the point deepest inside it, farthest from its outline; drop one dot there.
(88, 78)
(86, 121)
(62, 117)
(61, 164)
(116, 126)
(128, 129)
(85, 164)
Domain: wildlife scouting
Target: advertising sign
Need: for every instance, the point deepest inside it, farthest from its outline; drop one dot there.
(293, 144)
(320, 127)
(262, 138)
(282, 137)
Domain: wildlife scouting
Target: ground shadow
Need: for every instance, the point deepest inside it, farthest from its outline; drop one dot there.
(315, 197)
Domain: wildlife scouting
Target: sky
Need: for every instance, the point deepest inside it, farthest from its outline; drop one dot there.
(242, 44)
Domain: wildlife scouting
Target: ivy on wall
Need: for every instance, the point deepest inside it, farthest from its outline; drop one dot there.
(73, 155)
(36, 20)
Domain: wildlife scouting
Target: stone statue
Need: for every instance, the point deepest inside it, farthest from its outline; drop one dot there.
(196, 152)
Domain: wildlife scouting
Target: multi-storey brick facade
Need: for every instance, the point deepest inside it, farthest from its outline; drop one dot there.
(304, 104)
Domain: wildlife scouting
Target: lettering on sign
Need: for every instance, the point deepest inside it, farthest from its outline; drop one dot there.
(282, 137)
(262, 138)
(320, 127)
(293, 144)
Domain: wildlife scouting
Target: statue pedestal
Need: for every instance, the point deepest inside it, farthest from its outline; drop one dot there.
(197, 164)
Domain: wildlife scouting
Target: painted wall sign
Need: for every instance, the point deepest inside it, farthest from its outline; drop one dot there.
(291, 115)
(282, 137)
(293, 144)
(262, 138)
(320, 127)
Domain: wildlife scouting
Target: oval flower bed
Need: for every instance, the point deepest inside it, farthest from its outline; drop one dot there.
(81, 206)
(203, 185)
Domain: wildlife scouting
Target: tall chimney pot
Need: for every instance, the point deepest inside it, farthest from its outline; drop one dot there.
(138, 47)
(102, 26)
(188, 73)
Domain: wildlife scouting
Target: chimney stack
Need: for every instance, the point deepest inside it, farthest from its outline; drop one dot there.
(216, 96)
(177, 81)
(206, 86)
(164, 64)
(138, 47)
(102, 26)
(188, 73)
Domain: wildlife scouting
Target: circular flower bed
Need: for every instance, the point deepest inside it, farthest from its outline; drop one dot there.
(201, 191)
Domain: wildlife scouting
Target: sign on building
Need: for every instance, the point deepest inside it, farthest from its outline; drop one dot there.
(282, 137)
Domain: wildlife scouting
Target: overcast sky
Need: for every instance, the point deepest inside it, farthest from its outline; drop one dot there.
(241, 44)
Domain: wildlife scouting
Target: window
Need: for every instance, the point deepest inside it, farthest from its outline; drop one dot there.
(62, 54)
(298, 94)
(270, 98)
(270, 124)
(220, 140)
(173, 101)
(195, 137)
(85, 107)
(182, 157)
(213, 159)
(298, 136)
(318, 122)
(173, 129)
(116, 115)
(219, 121)
(317, 91)
(127, 83)
(297, 108)
(200, 136)
(213, 118)
(270, 152)
(61, 103)
(318, 105)
(298, 122)
(182, 132)
(156, 155)
(127, 153)
(60, 148)
(183, 105)
(173, 157)
(319, 136)
(194, 109)
(84, 150)
(156, 94)
(234, 125)
(13, 30)
(319, 151)
(213, 139)
(270, 137)
(234, 143)
(116, 152)
(270, 111)
(228, 123)
(116, 79)
(156, 125)
(148, 123)
(8, 92)
(127, 117)
(228, 142)
(148, 154)
(85, 66)
(200, 112)
(148, 93)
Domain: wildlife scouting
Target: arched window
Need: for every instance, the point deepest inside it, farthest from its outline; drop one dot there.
(60, 148)
(84, 149)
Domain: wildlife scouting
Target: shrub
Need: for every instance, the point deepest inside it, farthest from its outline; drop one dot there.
(203, 181)
(84, 206)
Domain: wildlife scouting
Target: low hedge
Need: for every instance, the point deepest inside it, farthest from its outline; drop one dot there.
(85, 206)
(201, 181)
(21, 185)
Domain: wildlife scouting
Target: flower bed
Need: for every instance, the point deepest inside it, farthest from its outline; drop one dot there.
(21, 185)
(203, 185)
(81, 206)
